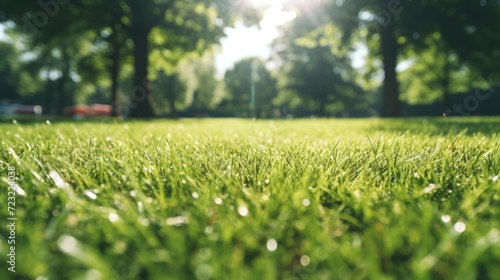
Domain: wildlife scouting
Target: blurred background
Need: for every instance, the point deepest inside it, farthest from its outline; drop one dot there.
(249, 58)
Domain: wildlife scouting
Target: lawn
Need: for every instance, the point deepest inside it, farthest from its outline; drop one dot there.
(243, 199)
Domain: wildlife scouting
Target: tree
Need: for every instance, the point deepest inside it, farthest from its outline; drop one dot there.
(177, 27)
(209, 90)
(46, 74)
(170, 92)
(383, 16)
(45, 24)
(247, 74)
(459, 43)
(18, 80)
(9, 71)
(315, 66)
(398, 25)
(436, 73)
(322, 78)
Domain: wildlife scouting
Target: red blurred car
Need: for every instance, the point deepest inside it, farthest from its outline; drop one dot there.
(93, 110)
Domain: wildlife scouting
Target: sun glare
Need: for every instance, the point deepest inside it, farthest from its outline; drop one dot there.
(276, 16)
(260, 3)
(242, 41)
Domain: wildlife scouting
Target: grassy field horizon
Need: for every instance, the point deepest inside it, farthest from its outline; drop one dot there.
(241, 199)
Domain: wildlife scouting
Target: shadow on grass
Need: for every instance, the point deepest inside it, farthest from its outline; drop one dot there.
(442, 126)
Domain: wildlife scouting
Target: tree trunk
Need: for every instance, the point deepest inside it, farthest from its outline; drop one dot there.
(391, 106)
(140, 97)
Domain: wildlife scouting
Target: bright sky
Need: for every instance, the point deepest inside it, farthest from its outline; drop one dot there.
(2, 34)
(243, 42)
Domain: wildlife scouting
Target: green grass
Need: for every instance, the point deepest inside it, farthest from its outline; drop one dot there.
(211, 199)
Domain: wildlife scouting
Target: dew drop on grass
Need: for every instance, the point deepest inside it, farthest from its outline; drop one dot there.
(494, 179)
(119, 247)
(209, 230)
(267, 181)
(243, 211)
(68, 244)
(18, 189)
(357, 193)
(265, 197)
(58, 180)
(91, 195)
(305, 260)
(430, 188)
(245, 191)
(144, 222)
(306, 202)
(133, 193)
(272, 245)
(218, 200)
(177, 221)
(195, 195)
(446, 218)
(459, 227)
(205, 253)
(48, 122)
(113, 217)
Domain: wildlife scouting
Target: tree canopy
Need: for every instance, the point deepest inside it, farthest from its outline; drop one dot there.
(131, 54)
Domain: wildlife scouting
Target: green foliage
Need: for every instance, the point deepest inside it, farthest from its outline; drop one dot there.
(165, 32)
(192, 84)
(238, 82)
(452, 52)
(315, 65)
(9, 71)
(243, 199)
(435, 71)
(171, 92)
(89, 45)
(209, 91)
